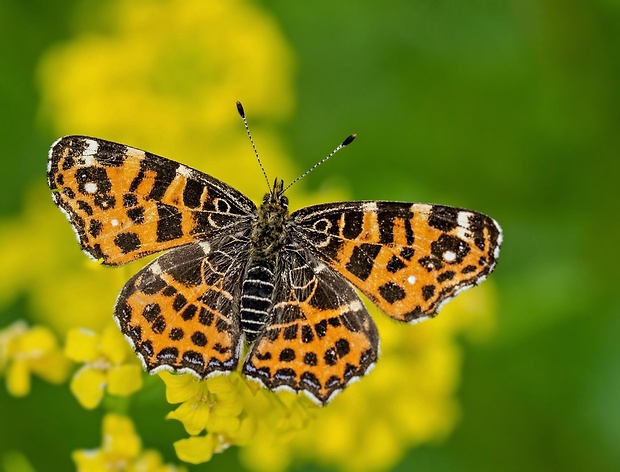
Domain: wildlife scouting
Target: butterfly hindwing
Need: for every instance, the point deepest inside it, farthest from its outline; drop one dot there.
(125, 203)
(407, 258)
(320, 338)
(181, 313)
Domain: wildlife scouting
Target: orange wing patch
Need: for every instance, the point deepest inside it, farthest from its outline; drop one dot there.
(407, 258)
(125, 203)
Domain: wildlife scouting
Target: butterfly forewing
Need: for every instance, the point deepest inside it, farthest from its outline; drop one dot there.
(125, 203)
(407, 258)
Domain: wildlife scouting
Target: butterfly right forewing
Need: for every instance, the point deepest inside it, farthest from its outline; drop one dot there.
(408, 258)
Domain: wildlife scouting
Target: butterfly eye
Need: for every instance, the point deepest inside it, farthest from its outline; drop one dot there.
(266, 198)
(284, 201)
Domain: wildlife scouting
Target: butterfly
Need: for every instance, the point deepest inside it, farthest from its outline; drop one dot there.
(256, 284)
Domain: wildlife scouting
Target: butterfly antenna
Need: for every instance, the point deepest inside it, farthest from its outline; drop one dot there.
(344, 143)
(247, 130)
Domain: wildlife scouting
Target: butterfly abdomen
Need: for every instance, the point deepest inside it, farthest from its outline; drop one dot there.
(256, 293)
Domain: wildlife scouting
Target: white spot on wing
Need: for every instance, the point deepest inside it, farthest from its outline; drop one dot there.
(114, 222)
(419, 320)
(90, 187)
(423, 208)
(449, 256)
(462, 230)
(320, 267)
(92, 147)
(463, 219)
(356, 305)
(369, 206)
(156, 268)
(185, 171)
(411, 279)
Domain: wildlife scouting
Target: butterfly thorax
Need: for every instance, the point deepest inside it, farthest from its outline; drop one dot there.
(267, 239)
(268, 232)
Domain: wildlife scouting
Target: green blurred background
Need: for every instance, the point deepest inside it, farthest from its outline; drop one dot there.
(507, 107)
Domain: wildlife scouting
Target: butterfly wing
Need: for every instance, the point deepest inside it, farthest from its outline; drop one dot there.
(124, 203)
(320, 338)
(409, 259)
(180, 312)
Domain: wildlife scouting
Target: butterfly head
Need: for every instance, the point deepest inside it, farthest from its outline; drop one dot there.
(276, 196)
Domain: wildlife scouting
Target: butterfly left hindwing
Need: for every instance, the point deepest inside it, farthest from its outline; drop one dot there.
(180, 311)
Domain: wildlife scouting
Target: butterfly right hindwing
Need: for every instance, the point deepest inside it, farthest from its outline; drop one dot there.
(320, 338)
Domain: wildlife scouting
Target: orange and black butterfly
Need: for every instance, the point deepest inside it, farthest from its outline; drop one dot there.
(234, 274)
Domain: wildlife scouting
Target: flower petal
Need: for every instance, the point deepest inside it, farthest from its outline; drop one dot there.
(195, 450)
(113, 344)
(81, 345)
(194, 416)
(179, 388)
(18, 378)
(119, 436)
(88, 385)
(124, 379)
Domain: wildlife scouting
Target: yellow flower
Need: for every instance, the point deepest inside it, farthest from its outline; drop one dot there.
(25, 351)
(214, 404)
(120, 450)
(105, 366)
(233, 412)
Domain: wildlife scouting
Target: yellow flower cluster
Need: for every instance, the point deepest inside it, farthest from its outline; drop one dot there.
(121, 450)
(231, 410)
(28, 350)
(109, 365)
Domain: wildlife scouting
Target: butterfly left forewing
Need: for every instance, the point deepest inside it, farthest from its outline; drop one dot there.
(409, 259)
(124, 203)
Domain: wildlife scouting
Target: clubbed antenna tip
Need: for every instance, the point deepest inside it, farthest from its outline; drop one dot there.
(349, 140)
(240, 110)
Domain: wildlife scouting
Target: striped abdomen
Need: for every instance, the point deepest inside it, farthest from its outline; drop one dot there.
(256, 295)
